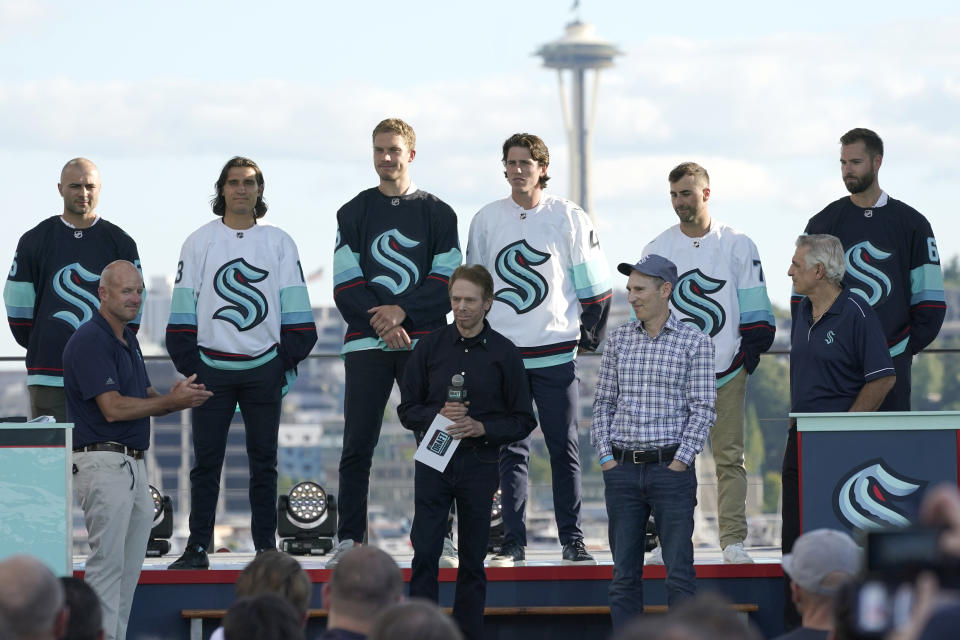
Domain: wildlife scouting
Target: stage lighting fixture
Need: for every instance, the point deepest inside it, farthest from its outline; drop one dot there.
(306, 520)
(159, 543)
(496, 522)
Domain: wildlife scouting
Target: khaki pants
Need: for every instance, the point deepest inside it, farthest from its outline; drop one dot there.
(47, 401)
(726, 443)
(115, 496)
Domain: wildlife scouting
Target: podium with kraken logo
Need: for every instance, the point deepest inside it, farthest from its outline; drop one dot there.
(36, 492)
(870, 470)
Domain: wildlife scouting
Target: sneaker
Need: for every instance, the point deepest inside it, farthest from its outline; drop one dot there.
(510, 554)
(736, 554)
(655, 556)
(342, 547)
(448, 557)
(576, 553)
(194, 557)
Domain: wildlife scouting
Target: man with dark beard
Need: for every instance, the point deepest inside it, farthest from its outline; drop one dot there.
(891, 258)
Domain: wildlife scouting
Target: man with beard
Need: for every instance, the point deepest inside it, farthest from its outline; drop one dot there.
(891, 258)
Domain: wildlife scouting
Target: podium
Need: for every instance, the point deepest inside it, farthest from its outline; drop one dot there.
(861, 471)
(36, 492)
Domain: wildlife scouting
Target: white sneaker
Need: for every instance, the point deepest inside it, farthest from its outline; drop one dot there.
(337, 553)
(655, 556)
(448, 557)
(736, 554)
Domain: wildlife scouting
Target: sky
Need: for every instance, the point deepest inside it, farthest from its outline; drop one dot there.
(161, 95)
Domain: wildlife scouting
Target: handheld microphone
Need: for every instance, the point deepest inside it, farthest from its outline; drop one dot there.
(456, 392)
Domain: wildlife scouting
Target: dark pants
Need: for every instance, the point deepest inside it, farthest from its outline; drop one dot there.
(257, 392)
(370, 375)
(899, 397)
(790, 510)
(633, 492)
(470, 480)
(47, 401)
(555, 392)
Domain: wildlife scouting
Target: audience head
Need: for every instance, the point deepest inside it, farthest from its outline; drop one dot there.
(415, 619)
(365, 582)
(264, 617)
(279, 574)
(704, 617)
(822, 561)
(31, 599)
(86, 616)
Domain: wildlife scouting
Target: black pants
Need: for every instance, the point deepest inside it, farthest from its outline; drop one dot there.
(470, 480)
(899, 397)
(257, 392)
(369, 375)
(790, 510)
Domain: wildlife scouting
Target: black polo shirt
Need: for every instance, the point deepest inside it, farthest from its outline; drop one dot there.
(831, 360)
(95, 362)
(493, 374)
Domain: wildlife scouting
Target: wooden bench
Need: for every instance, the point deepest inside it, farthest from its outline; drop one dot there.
(197, 616)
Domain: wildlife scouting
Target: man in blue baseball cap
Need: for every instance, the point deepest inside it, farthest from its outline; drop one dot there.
(653, 408)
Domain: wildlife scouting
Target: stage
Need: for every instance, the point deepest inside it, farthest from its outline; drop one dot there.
(540, 599)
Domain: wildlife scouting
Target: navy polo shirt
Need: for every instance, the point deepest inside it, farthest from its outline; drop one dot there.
(831, 360)
(95, 362)
(493, 374)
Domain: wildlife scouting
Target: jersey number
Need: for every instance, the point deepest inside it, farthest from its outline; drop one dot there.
(179, 272)
(13, 267)
(932, 250)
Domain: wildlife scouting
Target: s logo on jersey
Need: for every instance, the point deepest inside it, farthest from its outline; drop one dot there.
(865, 498)
(385, 249)
(67, 284)
(513, 265)
(232, 282)
(691, 298)
(875, 285)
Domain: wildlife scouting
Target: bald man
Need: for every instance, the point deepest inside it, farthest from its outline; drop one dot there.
(52, 286)
(31, 600)
(110, 401)
(365, 582)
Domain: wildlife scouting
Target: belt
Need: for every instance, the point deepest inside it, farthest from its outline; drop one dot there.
(644, 456)
(116, 447)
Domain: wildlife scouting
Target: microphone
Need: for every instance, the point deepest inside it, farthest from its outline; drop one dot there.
(456, 392)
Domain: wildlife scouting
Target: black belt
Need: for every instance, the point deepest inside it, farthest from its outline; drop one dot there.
(116, 447)
(645, 456)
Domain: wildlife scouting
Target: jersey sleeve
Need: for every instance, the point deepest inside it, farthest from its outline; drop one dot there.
(757, 324)
(591, 279)
(181, 335)
(20, 294)
(298, 331)
(431, 299)
(350, 291)
(927, 302)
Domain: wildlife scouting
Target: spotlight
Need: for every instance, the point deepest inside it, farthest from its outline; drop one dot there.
(496, 522)
(306, 520)
(159, 543)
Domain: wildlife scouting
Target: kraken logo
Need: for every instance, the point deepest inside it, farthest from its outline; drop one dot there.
(385, 249)
(864, 498)
(528, 288)
(691, 299)
(68, 284)
(232, 282)
(875, 285)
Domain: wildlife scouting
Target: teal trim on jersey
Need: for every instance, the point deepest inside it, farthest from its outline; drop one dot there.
(926, 283)
(550, 361)
(19, 298)
(366, 344)
(242, 365)
(591, 278)
(900, 347)
(755, 304)
(295, 305)
(445, 263)
(183, 307)
(346, 265)
(45, 381)
(727, 378)
(288, 378)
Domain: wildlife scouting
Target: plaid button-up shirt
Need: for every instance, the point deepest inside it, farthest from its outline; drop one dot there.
(655, 391)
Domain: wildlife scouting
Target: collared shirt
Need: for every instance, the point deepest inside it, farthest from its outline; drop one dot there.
(831, 360)
(654, 391)
(494, 378)
(95, 362)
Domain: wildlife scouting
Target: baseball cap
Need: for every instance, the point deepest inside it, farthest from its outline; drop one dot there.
(652, 265)
(820, 553)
